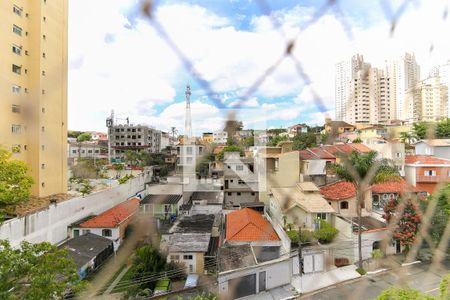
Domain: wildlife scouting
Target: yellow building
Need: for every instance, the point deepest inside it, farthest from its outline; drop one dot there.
(33, 89)
(208, 137)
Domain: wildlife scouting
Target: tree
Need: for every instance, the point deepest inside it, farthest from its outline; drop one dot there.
(86, 188)
(443, 128)
(362, 164)
(357, 141)
(15, 183)
(83, 137)
(407, 224)
(73, 133)
(36, 271)
(304, 140)
(421, 129)
(441, 214)
(408, 137)
(231, 148)
(135, 158)
(276, 139)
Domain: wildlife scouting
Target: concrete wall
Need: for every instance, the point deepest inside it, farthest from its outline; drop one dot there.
(196, 264)
(50, 224)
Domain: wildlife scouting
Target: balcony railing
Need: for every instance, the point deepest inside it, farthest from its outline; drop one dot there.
(423, 178)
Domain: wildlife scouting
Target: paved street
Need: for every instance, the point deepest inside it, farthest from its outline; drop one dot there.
(416, 276)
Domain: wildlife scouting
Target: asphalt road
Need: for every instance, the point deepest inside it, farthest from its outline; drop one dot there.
(418, 276)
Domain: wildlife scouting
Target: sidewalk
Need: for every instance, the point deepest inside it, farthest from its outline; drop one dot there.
(280, 293)
(309, 283)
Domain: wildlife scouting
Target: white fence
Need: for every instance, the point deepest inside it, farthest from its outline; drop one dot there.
(50, 224)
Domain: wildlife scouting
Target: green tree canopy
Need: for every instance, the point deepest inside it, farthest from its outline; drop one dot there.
(84, 137)
(443, 128)
(441, 213)
(304, 140)
(422, 129)
(231, 148)
(276, 139)
(73, 133)
(408, 137)
(36, 271)
(15, 183)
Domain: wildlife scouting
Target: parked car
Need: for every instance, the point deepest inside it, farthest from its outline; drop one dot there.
(191, 281)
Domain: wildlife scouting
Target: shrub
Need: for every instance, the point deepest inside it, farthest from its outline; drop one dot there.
(125, 178)
(326, 233)
(293, 235)
(361, 271)
(306, 236)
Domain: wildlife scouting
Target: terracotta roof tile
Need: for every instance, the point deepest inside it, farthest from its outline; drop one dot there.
(307, 155)
(393, 187)
(322, 153)
(338, 191)
(426, 160)
(113, 216)
(247, 225)
(360, 147)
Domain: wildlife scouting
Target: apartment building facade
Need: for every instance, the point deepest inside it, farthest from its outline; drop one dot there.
(33, 89)
(133, 137)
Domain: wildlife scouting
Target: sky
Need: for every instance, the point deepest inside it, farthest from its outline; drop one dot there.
(118, 61)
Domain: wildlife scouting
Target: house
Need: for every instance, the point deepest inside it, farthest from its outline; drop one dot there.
(162, 206)
(426, 172)
(88, 251)
(296, 129)
(393, 151)
(247, 226)
(370, 132)
(187, 155)
(240, 180)
(436, 147)
(375, 235)
(301, 205)
(110, 224)
(189, 241)
(208, 137)
(385, 191)
(341, 195)
(337, 127)
(220, 137)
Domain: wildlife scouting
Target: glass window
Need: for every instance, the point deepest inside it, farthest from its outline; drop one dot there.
(17, 50)
(17, 30)
(76, 233)
(16, 69)
(187, 257)
(16, 108)
(17, 10)
(16, 129)
(239, 168)
(344, 205)
(106, 232)
(16, 89)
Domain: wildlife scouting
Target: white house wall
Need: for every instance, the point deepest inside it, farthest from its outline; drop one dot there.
(50, 224)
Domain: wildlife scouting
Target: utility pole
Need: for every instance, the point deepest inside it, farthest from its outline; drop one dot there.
(300, 254)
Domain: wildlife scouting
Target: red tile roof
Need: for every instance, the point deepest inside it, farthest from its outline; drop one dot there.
(113, 216)
(338, 191)
(360, 147)
(339, 148)
(307, 155)
(393, 187)
(247, 225)
(322, 153)
(426, 160)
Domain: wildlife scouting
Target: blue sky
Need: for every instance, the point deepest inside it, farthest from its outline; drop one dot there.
(118, 61)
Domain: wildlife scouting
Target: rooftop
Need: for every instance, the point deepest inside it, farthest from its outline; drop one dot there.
(193, 224)
(426, 160)
(113, 216)
(210, 196)
(338, 191)
(436, 142)
(161, 199)
(248, 225)
(339, 124)
(393, 187)
(307, 186)
(290, 197)
(369, 223)
(84, 248)
(235, 257)
(189, 242)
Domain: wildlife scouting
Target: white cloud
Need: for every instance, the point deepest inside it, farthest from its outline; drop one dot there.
(130, 69)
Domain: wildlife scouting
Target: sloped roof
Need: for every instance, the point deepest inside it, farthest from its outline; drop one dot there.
(84, 248)
(161, 199)
(436, 142)
(393, 187)
(307, 155)
(289, 197)
(113, 216)
(426, 160)
(340, 124)
(322, 153)
(339, 190)
(339, 148)
(307, 186)
(360, 147)
(247, 225)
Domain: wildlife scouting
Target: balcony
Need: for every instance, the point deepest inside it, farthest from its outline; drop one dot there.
(441, 178)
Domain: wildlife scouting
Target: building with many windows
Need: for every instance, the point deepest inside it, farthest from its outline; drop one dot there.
(33, 89)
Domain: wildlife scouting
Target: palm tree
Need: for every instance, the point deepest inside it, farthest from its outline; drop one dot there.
(408, 137)
(363, 170)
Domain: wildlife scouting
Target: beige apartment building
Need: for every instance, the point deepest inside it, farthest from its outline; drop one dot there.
(33, 89)
(426, 101)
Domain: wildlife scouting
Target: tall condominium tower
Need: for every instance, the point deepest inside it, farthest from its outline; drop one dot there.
(403, 72)
(33, 89)
(443, 71)
(426, 101)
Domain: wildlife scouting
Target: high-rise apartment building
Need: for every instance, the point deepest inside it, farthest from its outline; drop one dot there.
(403, 72)
(443, 71)
(33, 89)
(426, 101)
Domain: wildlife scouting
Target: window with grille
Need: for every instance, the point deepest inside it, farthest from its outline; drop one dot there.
(16, 89)
(17, 50)
(16, 129)
(17, 30)
(16, 69)
(17, 10)
(16, 108)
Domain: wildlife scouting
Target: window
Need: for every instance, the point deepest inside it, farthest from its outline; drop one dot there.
(89, 151)
(253, 193)
(83, 151)
(430, 173)
(25, 90)
(16, 129)
(17, 30)
(238, 193)
(189, 150)
(344, 205)
(398, 154)
(187, 257)
(239, 168)
(16, 149)
(85, 231)
(44, 19)
(42, 147)
(43, 92)
(16, 108)
(16, 89)
(188, 160)
(106, 232)
(241, 181)
(322, 216)
(17, 10)
(229, 193)
(76, 233)
(17, 50)
(191, 268)
(16, 69)
(43, 184)
(43, 56)
(26, 52)
(43, 73)
(44, 37)
(43, 110)
(74, 151)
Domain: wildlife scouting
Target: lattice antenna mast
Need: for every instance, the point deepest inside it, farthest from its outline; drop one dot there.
(188, 121)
